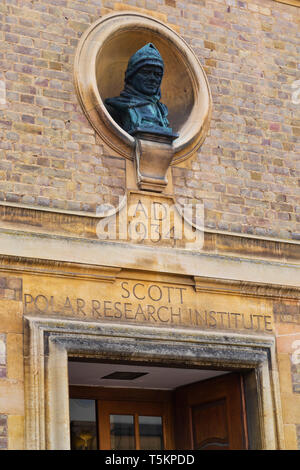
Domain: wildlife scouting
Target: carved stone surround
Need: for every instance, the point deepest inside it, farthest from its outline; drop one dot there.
(49, 343)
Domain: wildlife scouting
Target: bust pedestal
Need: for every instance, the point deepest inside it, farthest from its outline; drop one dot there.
(153, 155)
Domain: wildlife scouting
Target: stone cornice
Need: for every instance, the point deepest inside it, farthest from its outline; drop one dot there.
(294, 3)
(58, 269)
(74, 226)
(40, 248)
(101, 273)
(253, 289)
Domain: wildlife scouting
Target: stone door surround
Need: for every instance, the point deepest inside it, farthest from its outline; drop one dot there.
(50, 341)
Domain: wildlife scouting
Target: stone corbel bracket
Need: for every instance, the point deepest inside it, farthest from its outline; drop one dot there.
(153, 156)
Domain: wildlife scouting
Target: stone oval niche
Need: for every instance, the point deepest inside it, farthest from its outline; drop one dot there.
(100, 64)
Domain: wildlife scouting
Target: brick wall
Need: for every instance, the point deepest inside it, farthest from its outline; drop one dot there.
(11, 364)
(247, 173)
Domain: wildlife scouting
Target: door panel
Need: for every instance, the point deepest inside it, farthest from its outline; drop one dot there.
(134, 425)
(212, 413)
(214, 435)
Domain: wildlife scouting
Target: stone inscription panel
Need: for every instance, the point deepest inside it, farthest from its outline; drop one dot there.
(154, 220)
(146, 302)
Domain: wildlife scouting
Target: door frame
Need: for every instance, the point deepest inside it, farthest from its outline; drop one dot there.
(49, 342)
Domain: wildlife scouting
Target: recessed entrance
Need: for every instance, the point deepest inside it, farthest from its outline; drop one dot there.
(135, 407)
(51, 342)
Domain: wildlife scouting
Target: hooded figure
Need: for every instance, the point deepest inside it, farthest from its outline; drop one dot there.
(138, 106)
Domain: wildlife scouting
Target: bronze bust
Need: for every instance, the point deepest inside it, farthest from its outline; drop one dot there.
(138, 108)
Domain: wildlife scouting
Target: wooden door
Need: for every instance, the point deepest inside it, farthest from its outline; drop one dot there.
(128, 418)
(134, 425)
(210, 415)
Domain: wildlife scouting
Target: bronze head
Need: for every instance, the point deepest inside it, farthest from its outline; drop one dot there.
(138, 108)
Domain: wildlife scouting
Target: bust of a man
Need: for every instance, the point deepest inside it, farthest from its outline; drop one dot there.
(138, 108)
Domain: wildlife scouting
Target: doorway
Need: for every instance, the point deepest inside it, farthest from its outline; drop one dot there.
(51, 344)
(185, 413)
